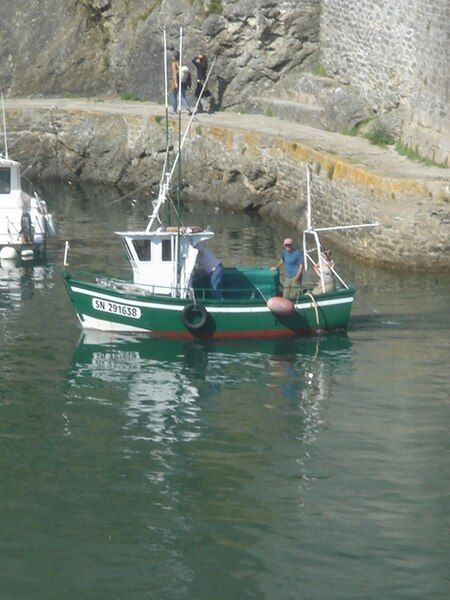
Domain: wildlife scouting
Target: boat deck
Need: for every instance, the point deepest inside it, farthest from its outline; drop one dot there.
(238, 284)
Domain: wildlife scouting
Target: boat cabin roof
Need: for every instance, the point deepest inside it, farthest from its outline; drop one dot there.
(9, 175)
(193, 234)
(8, 162)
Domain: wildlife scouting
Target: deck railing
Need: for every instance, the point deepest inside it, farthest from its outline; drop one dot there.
(198, 294)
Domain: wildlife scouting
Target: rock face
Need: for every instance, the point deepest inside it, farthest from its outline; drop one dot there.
(87, 47)
(382, 57)
(385, 60)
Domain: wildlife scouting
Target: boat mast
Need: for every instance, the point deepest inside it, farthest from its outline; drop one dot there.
(180, 75)
(162, 183)
(309, 226)
(4, 128)
(167, 175)
(308, 198)
(314, 231)
(178, 245)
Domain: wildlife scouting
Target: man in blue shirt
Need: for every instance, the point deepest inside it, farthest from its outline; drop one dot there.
(292, 259)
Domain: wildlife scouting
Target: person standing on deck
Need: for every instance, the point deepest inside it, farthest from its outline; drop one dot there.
(207, 261)
(326, 266)
(292, 259)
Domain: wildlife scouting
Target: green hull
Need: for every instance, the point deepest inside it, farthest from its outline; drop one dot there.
(107, 308)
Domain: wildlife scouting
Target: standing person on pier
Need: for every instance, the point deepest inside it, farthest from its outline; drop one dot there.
(201, 64)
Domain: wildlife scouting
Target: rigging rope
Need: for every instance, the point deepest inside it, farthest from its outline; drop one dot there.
(314, 303)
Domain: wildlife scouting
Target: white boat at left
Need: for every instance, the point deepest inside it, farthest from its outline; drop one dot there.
(25, 223)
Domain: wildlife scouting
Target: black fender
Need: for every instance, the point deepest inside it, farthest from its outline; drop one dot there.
(194, 316)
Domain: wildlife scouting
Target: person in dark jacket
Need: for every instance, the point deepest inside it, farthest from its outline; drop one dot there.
(201, 64)
(209, 263)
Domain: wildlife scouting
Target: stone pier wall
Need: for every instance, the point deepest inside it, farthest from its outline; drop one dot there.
(244, 169)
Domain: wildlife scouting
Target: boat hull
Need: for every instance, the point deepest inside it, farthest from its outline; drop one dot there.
(102, 308)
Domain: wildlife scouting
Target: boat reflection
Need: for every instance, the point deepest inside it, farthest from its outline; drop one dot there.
(18, 279)
(167, 383)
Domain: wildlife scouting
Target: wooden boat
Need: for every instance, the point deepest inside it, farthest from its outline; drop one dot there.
(168, 296)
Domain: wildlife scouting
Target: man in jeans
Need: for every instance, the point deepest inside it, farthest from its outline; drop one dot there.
(207, 261)
(292, 259)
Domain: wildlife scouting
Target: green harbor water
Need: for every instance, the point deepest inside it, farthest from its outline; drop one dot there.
(131, 468)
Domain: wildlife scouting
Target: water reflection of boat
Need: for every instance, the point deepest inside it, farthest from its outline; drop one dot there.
(111, 352)
(167, 379)
(18, 278)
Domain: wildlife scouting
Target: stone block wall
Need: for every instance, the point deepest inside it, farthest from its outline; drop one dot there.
(429, 124)
(397, 53)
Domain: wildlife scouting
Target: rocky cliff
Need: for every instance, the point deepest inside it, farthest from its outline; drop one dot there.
(386, 62)
(85, 47)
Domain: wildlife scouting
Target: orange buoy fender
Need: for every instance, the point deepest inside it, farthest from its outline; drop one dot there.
(282, 307)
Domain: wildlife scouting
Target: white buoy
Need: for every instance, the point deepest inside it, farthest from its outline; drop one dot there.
(27, 254)
(8, 265)
(8, 253)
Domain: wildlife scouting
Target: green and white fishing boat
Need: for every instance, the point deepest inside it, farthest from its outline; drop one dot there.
(167, 296)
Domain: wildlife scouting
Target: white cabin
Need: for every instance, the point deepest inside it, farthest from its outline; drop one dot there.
(163, 260)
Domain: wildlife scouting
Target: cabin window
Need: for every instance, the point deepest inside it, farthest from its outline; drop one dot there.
(166, 250)
(142, 248)
(5, 181)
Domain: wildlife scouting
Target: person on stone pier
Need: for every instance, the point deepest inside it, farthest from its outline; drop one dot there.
(326, 263)
(201, 64)
(292, 259)
(184, 84)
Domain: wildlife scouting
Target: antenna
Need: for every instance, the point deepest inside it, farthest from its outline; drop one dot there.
(180, 74)
(178, 240)
(166, 91)
(4, 128)
(308, 198)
